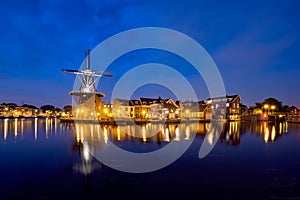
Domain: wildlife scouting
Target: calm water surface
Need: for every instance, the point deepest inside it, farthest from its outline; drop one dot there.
(45, 159)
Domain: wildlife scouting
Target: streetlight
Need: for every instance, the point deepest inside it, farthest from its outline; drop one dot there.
(266, 106)
(273, 107)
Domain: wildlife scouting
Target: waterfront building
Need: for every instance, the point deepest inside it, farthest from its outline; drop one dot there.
(5, 111)
(12, 110)
(225, 107)
(121, 109)
(24, 111)
(139, 109)
(293, 114)
(88, 103)
(162, 109)
(196, 110)
(147, 109)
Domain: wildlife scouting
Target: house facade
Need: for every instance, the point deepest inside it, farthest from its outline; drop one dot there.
(195, 110)
(146, 109)
(227, 107)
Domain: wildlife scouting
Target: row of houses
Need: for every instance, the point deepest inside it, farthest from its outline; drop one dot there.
(140, 109)
(13, 111)
(293, 115)
(160, 109)
(146, 108)
(18, 111)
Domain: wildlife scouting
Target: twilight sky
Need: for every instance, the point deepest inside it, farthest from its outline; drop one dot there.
(255, 45)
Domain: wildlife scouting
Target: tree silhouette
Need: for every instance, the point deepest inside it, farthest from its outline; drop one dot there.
(273, 102)
(29, 106)
(68, 108)
(45, 108)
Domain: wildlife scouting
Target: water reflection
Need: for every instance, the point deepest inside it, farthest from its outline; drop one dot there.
(231, 133)
(141, 134)
(22, 126)
(140, 138)
(35, 128)
(88, 163)
(269, 132)
(89, 137)
(15, 128)
(5, 128)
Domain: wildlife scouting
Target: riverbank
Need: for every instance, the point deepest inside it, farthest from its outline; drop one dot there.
(136, 121)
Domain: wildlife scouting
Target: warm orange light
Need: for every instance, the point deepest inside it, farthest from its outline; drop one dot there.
(273, 133)
(273, 107)
(119, 133)
(105, 111)
(266, 106)
(266, 136)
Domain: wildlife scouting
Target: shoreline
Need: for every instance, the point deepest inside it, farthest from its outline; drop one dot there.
(140, 121)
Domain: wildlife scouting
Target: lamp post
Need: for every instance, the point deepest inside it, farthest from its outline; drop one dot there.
(266, 107)
(273, 107)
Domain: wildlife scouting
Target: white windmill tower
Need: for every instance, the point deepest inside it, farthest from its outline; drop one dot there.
(87, 100)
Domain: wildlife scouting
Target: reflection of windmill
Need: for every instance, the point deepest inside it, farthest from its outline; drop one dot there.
(87, 164)
(87, 94)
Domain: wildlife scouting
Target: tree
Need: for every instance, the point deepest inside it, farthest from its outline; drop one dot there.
(57, 109)
(68, 108)
(293, 110)
(258, 105)
(285, 108)
(273, 102)
(243, 108)
(29, 106)
(45, 108)
(10, 105)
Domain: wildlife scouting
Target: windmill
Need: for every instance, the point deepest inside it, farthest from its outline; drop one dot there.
(87, 95)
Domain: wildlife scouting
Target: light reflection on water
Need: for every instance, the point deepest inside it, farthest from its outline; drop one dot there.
(262, 156)
(96, 133)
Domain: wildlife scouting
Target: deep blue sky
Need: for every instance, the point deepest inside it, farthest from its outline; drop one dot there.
(255, 44)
